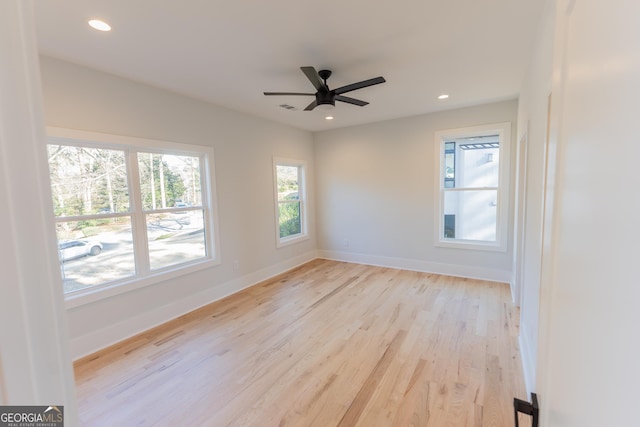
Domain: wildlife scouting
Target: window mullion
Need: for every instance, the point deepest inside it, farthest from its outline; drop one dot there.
(138, 219)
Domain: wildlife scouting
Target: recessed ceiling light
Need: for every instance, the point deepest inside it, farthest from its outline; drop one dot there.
(99, 25)
(443, 96)
(329, 118)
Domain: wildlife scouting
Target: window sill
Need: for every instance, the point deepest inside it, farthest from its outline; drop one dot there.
(471, 245)
(287, 241)
(108, 290)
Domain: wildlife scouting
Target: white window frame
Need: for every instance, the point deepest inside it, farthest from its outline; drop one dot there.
(302, 194)
(503, 130)
(144, 276)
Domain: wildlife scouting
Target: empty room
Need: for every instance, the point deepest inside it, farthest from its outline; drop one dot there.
(319, 214)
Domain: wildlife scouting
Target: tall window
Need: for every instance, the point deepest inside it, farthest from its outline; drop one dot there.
(473, 167)
(129, 211)
(289, 182)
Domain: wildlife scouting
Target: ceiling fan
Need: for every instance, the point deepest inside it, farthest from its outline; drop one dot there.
(326, 96)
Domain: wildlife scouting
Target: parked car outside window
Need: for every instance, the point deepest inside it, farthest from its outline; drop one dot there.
(70, 249)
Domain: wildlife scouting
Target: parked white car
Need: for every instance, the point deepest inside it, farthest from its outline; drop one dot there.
(70, 249)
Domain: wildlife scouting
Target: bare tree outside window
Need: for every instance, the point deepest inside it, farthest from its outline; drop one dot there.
(106, 200)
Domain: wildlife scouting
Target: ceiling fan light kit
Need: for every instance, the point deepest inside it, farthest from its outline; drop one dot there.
(326, 98)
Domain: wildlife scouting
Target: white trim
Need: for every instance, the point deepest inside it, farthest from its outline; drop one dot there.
(514, 297)
(470, 244)
(35, 366)
(503, 130)
(291, 240)
(457, 270)
(520, 223)
(96, 340)
(528, 368)
(144, 275)
(302, 196)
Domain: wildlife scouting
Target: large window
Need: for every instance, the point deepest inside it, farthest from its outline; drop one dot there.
(129, 211)
(473, 168)
(289, 183)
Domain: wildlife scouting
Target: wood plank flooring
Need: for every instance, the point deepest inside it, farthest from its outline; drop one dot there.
(327, 344)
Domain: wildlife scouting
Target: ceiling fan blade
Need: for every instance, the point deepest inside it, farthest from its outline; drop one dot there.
(359, 85)
(287, 93)
(351, 100)
(311, 106)
(314, 77)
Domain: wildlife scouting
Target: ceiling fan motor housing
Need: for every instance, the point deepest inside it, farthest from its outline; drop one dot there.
(324, 97)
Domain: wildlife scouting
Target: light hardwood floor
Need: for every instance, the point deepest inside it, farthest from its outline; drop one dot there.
(327, 344)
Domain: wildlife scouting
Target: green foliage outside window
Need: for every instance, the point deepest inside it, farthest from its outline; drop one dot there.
(289, 219)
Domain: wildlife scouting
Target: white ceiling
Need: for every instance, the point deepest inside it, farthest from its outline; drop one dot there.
(229, 52)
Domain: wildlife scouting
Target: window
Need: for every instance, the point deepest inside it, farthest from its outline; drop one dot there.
(129, 211)
(289, 182)
(473, 167)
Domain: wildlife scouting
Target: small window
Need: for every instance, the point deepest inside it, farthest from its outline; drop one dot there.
(473, 166)
(289, 184)
(129, 211)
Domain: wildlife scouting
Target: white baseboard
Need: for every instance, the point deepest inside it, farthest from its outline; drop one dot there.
(528, 367)
(457, 270)
(90, 343)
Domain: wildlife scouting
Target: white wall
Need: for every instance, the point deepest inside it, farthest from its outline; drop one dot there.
(376, 187)
(79, 98)
(532, 124)
(587, 367)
